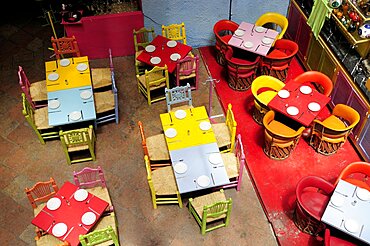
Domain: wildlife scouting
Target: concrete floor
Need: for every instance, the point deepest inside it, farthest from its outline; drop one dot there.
(25, 161)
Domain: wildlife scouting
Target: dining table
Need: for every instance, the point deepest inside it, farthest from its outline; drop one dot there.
(253, 38)
(194, 153)
(70, 213)
(299, 102)
(348, 211)
(163, 51)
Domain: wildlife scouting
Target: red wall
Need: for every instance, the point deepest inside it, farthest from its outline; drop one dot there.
(96, 34)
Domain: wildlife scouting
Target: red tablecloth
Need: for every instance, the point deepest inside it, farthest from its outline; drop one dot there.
(70, 213)
(164, 52)
(300, 100)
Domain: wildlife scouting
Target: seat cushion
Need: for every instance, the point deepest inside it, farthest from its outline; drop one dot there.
(104, 101)
(266, 96)
(281, 129)
(334, 122)
(164, 181)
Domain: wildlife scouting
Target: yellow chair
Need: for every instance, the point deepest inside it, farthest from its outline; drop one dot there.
(152, 84)
(280, 139)
(225, 132)
(175, 32)
(329, 135)
(264, 89)
(142, 38)
(278, 21)
(78, 144)
(38, 120)
(210, 209)
(162, 185)
(105, 236)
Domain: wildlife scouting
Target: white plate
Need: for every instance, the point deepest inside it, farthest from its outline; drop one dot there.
(205, 125)
(53, 104)
(239, 32)
(86, 94)
(314, 106)
(180, 114)
(170, 133)
(259, 29)
(155, 60)
(75, 115)
(180, 167)
(65, 62)
(283, 93)
(215, 158)
(203, 181)
(248, 44)
(82, 67)
(363, 194)
(305, 89)
(292, 110)
(337, 200)
(175, 56)
(81, 195)
(59, 229)
(53, 76)
(88, 218)
(267, 40)
(150, 48)
(171, 43)
(351, 225)
(53, 203)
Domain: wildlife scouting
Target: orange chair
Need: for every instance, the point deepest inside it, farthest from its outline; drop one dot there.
(277, 62)
(312, 196)
(320, 80)
(223, 30)
(65, 46)
(356, 173)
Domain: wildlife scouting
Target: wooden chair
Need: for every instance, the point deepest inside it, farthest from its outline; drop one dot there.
(175, 32)
(320, 80)
(234, 164)
(152, 83)
(179, 96)
(35, 92)
(98, 237)
(312, 196)
(155, 147)
(225, 132)
(162, 185)
(65, 46)
(356, 173)
(223, 30)
(92, 180)
(275, 21)
(38, 120)
(264, 88)
(209, 209)
(187, 70)
(280, 139)
(142, 38)
(102, 77)
(329, 135)
(109, 219)
(78, 144)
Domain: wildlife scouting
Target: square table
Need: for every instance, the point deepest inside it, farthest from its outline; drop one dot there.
(348, 211)
(252, 38)
(300, 102)
(194, 153)
(79, 216)
(164, 50)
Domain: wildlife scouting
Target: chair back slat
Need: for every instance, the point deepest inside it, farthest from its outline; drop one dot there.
(65, 46)
(97, 237)
(178, 94)
(41, 192)
(89, 177)
(175, 32)
(143, 37)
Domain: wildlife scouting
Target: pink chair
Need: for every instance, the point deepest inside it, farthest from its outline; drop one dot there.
(187, 69)
(35, 92)
(92, 180)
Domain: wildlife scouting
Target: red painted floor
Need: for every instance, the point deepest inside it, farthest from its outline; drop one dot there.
(275, 181)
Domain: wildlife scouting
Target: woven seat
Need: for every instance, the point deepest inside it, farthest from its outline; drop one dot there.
(101, 77)
(104, 101)
(38, 91)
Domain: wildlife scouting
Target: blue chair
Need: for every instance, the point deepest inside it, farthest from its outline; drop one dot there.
(179, 95)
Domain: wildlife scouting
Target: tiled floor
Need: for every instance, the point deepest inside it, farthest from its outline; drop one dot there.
(24, 161)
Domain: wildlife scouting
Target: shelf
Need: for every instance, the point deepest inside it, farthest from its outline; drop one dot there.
(353, 37)
(359, 11)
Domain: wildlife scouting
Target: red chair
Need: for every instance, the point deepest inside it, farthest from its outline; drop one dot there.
(65, 46)
(223, 30)
(277, 62)
(356, 173)
(322, 81)
(313, 194)
(188, 69)
(241, 69)
(331, 240)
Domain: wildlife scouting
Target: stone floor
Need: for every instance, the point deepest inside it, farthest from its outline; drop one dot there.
(24, 160)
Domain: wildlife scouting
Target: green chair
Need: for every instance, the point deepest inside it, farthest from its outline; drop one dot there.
(78, 144)
(98, 237)
(211, 210)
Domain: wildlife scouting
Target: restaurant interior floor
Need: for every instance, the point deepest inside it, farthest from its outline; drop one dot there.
(25, 161)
